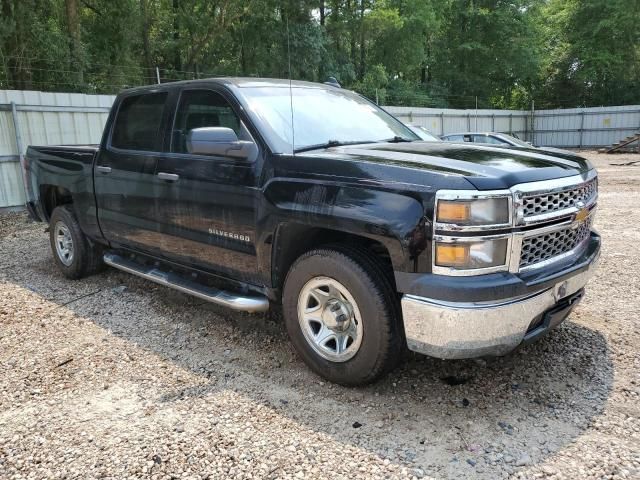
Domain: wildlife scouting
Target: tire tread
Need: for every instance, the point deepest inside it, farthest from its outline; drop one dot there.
(89, 255)
(377, 279)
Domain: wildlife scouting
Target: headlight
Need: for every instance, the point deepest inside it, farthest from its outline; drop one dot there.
(471, 255)
(477, 212)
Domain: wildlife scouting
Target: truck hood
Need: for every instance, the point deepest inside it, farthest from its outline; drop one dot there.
(487, 168)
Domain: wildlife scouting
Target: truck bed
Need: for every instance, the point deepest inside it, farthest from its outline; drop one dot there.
(61, 149)
(68, 168)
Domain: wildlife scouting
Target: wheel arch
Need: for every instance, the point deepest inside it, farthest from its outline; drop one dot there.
(293, 240)
(52, 196)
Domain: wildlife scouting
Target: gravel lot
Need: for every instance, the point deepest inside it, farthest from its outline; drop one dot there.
(115, 377)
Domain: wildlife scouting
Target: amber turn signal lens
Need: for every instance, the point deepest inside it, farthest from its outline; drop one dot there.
(451, 255)
(453, 212)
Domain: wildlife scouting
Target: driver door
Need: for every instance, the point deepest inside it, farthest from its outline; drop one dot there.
(205, 206)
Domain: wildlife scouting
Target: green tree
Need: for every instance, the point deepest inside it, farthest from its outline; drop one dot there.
(593, 52)
(486, 49)
(427, 52)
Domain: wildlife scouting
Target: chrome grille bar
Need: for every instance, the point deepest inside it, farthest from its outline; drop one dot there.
(576, 196)
(547, 246)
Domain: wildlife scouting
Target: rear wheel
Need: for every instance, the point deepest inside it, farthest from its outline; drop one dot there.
(73, 252)
(342, 315)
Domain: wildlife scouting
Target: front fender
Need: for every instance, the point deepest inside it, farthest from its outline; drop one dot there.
(396, 220)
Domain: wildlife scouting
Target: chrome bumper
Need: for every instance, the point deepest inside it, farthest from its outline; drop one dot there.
(465, 330)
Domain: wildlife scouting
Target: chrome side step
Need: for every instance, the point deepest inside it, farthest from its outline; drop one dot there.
(177, 282)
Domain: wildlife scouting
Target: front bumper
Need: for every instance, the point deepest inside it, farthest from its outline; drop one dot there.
(449, 330)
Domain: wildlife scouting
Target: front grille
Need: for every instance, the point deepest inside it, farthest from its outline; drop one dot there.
(552, 202)
(543, 247)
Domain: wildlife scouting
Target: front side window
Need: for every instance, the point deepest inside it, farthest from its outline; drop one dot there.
(138, 123)
(198, 109)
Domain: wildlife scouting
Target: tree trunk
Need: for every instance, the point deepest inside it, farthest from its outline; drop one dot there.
(73, 27)
(335, 22)
(362, 42)
(146, 41)
(11, 62)
(322, 14)
(243, 58)
(177, 59)
(352, 33)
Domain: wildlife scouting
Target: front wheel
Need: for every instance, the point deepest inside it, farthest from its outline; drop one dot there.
(342, 315)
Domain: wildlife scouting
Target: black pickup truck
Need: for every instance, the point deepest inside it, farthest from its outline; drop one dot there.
(252, 192)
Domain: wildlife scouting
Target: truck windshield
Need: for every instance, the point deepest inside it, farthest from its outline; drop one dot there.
(321, 116)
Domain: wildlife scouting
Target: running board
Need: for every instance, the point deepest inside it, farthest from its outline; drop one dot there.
(177, 282)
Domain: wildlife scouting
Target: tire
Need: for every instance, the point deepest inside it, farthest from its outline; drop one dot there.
(81, 257)
(345, 281)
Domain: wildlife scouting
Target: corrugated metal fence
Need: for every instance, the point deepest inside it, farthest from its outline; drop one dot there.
(43, 119)
(71, 118)
(568, 128)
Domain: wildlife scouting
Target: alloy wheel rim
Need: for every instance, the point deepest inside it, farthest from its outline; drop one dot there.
(64, 243)
(330, 319)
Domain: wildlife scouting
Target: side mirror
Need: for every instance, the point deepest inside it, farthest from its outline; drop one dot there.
(220, 141)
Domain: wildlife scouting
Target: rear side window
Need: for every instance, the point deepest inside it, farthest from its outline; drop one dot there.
(202, 108)
(138, 122)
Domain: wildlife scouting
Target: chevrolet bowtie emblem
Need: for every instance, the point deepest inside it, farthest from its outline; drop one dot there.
(582, 214)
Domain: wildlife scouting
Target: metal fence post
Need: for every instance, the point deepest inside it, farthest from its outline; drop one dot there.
(533, 122)
(19, 146)
(493, 122)
(510, 123)
(581, 127)
(441, 123)
(468, 122)
(16, 129)
(476, 129)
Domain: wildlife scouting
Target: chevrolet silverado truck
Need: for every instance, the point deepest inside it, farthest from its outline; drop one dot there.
(252, 193)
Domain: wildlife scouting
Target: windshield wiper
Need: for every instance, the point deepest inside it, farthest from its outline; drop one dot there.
(330, 143)
(397, 139)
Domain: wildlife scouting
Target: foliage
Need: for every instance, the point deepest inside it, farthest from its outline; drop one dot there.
(445, 53)
(594, 52)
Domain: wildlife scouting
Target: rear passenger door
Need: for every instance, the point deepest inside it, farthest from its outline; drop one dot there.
(124, 172)
(205, 206)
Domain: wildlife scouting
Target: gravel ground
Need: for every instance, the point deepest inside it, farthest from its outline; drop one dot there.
(115, 377)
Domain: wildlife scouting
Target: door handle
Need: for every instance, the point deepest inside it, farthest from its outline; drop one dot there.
(103, 169)
(169, 177)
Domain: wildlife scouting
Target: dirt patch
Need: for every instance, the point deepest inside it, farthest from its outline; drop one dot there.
(113, 376)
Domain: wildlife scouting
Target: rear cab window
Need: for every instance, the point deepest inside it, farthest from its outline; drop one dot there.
(138, 123)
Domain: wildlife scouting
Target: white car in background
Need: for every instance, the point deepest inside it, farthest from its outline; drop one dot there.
(498, 140)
